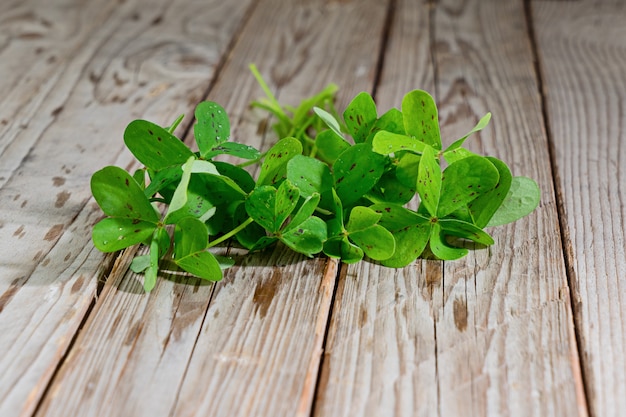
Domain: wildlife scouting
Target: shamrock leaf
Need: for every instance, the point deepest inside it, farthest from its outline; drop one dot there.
(420, 116)
(274, 165)
(360, 116)
(154, 146)
(356, 171)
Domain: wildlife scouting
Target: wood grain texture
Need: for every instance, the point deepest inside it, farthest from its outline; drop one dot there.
(582, 51)
(87, 70)
(266, 320)
(300, 46)
(491, 334)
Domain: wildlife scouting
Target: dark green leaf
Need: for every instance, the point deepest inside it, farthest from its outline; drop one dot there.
(305, 211)
(308, 238)
(190, 236)
(119, 195)
(484, 206)
(465, 180)
(340, 247)
(356, 171)
(239, 175)
(376, 241)
(465, 230)
(330, 146)
(410, 231)
(154, 146)
(236, 149)
(441, 249)
(115, 233)
(201, 264)
(212, 126)
(270, 207)
(391, 121)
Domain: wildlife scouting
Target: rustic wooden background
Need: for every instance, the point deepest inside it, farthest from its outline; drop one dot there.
(534, 326)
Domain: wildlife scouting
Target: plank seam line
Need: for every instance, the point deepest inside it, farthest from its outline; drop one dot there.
(187, 135)
(386, 35)
(107, 270)
(564, 233)
(320, 370)
(228, 52)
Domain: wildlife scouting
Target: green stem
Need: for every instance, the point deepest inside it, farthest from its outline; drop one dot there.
(231, 233)
(263, 85)
(252, 161)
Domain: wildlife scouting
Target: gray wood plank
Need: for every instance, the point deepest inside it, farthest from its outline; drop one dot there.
(256, 345)
(72, 74)
(491, 334)
(582, 50)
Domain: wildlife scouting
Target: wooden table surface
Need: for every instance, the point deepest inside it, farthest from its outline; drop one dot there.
(533, 326)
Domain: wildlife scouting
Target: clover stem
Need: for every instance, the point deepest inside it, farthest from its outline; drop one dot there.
(231, 233)
(252, 161)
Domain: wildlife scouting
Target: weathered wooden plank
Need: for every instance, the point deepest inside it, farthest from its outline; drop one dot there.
(258, 345)
(491, 334)
(582, 51)
(95, 66)
(380, 353)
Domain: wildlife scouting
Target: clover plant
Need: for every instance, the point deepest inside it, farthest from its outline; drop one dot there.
(338, 185)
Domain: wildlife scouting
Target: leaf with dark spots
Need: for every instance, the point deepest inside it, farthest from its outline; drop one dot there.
(119, 195)
(212, 127)
(274, 168)
(360, 116)
(155, 154)
(349, 168)
(420, 117)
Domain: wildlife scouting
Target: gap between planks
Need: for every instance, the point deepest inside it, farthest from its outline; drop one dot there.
(582, 387)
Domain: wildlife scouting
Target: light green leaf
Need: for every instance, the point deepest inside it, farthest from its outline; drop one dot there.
(179, 200)
(329, 119)
(523, 197)
(482, 123)
(429, 181)
(362, 218)
(140, 263)
(421, 118)
(309, 175)
(274, 165)
(386, 143)
(360, 116)
(376, 241)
